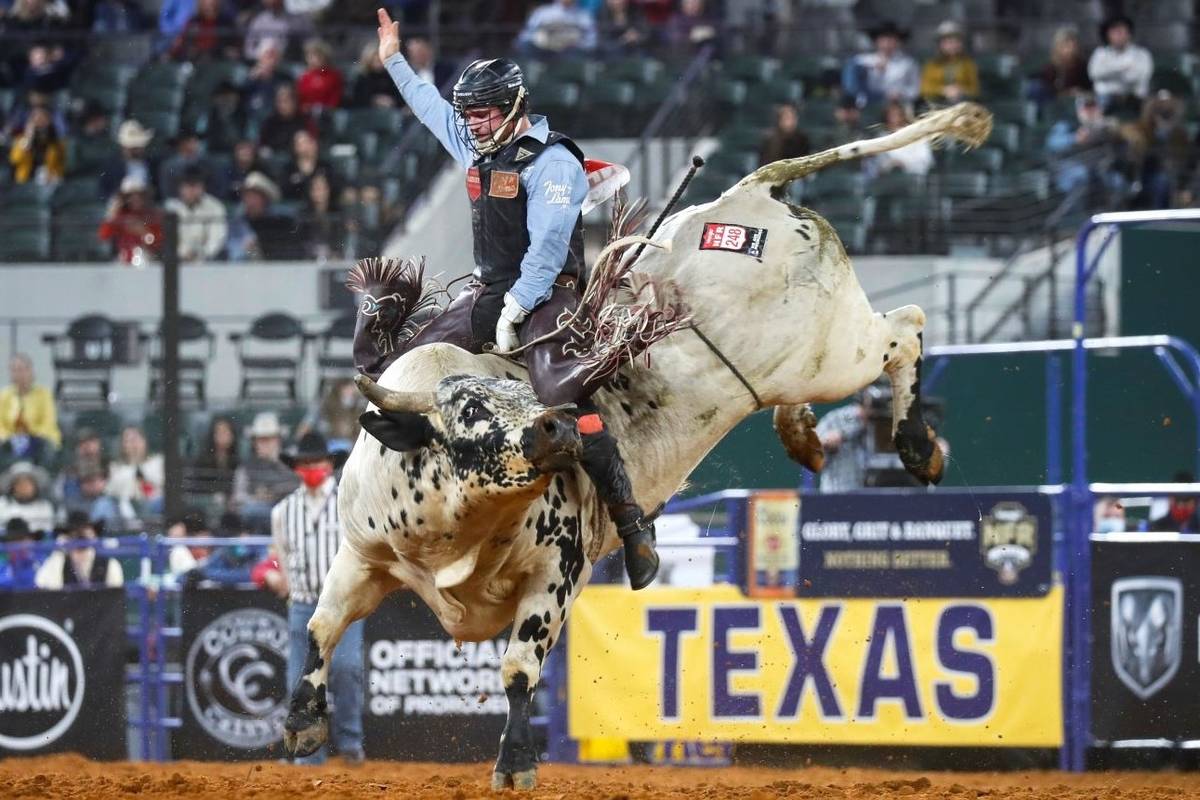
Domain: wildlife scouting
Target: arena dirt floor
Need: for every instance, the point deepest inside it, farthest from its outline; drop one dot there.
(79, 779)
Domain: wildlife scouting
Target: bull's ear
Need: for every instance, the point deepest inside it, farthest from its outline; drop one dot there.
(398, 430)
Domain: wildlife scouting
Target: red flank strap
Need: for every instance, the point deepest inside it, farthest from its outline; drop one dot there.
(590, 423)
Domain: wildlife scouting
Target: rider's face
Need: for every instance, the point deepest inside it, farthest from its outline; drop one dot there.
(484, 121)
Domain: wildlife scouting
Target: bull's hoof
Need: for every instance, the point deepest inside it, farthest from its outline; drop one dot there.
(921, 455)
(523, 781)
(304, 733)
(796, 428)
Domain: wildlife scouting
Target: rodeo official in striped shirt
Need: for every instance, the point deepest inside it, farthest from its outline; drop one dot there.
(307, 533)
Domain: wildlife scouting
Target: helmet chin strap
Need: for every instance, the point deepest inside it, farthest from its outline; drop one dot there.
(504, 133)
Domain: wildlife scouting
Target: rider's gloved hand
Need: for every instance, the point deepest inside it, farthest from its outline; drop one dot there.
(511, 316)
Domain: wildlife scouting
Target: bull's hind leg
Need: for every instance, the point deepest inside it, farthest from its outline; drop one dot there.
(546, 600)
(796, 427)
(915, 440)
(352, 590)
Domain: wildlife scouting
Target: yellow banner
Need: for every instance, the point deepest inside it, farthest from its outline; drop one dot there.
(711, 664)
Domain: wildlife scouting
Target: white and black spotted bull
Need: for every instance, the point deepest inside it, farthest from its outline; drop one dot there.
(455, 489)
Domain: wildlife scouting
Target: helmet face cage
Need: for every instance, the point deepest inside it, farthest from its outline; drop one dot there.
(481, 87)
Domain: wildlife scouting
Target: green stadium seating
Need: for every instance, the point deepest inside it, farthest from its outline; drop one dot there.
(165, 124)
(88, 155)
(155, 98)
(847, 181)
(24, 239)
(964, 184)
(75, 233)
(581, 71)
(638, 70)
(1171, 80)
(751, 68)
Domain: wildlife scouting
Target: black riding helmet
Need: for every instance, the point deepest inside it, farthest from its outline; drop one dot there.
(491, 82)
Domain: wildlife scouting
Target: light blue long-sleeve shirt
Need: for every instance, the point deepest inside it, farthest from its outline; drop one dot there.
(555, 184)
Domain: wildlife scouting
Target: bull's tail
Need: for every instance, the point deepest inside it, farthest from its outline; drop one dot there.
(967, 123)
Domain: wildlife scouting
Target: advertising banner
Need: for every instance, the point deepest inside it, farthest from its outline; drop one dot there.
(62, 673)
(711, 664)
(235, 649)
(1145, 636)
(925, 545)
(429, 698)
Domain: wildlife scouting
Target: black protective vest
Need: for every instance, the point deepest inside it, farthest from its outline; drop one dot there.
(498, 211)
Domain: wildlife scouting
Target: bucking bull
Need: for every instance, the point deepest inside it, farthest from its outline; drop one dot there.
(462, 487)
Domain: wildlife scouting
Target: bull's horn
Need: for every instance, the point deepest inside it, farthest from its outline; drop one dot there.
(391, 400)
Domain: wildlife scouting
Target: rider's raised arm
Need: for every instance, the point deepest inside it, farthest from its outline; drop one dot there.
(556, 187)
(434, 112)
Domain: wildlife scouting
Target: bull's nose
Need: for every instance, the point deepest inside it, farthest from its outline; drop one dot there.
(559, 427)
(555, 441)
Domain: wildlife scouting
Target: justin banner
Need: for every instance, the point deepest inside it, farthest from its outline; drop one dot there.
(714, 665)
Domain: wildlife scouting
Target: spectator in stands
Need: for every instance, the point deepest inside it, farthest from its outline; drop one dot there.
(25, 495)
(205, 37)
(1120, 70)
(365, 215)
(119, 17)
(622, 27)
(305, 164)
(1160, 150)
(913, 159)
(336, 416)
(47, 68)
(256, 231)
(1110, 515)
(183, 558)
(35, 24)
(1182, 515)
(188, 154)
(133, 224)
(372, 87)
(268, 574)
(19, 565)
(843, 435)
(95, 502)
(265, 77)
(94, 122)
(263, 479)
(225, 123)
(79, 567)
(785, 140)
(89, 456)
(245, 163)
(951, 75)
(320, 87)
(136, 476)
(424, 62)
(212, 471)
(173, 17)
(39, 155)
(1066, 73)
(230, 565)
(1081, 152)
(324, 229)
(278, 130)
(690, 27)
(559, 28)
(202, 225)
(273, 22)
(133, 139)
(847, 120)
(887, 73)
(28, 418)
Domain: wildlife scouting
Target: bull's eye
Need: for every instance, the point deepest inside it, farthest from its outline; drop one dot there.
(474, 412)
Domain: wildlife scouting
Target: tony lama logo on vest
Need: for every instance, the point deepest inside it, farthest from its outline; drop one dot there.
(41, 681)
(1008, 536)
(1147, 632)
(236, 678)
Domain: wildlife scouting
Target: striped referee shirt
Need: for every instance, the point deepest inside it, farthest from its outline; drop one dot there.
(307, 532)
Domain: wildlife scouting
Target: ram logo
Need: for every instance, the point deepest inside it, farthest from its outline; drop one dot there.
(1147, 632)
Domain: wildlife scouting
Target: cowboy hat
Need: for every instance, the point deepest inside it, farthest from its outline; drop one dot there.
(17, 528)
(133, 134)
(313, 447)
(25, 469)
(887, 28)
(949, 28)
(265, 425)
(258, 182)
(78, 520)
(133, 183)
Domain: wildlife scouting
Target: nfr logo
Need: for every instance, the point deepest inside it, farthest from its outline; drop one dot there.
(888, 672)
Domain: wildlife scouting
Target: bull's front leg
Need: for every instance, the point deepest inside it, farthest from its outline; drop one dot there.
(352, 590)
(546, 600)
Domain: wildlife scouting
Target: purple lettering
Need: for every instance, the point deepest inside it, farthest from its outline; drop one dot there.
(670, 623)
(726, 661)
(979, 704)
(889, 623)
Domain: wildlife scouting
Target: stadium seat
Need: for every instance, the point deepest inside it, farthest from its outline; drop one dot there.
(751, 68)
(637, 70)
(964, 184)
(25, 239)
(734, 162)
(776, 92)
(164, 123)
(271, 352)
(83, 360)
(846, 182)
(843, 210)
(207, 75)
(1171, 80)
(87, 155)
(580, 71)
(155, 98)
(197, 346)
(730, 94)
(989, 159)
(741, 136)
(75, 232)
(334, 359)
(163, 73)
(387, 122)
(609, 103)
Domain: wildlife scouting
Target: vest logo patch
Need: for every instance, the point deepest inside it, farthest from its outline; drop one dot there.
(473, 186)
(504, 185)
(523, 154)
(734, 238)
